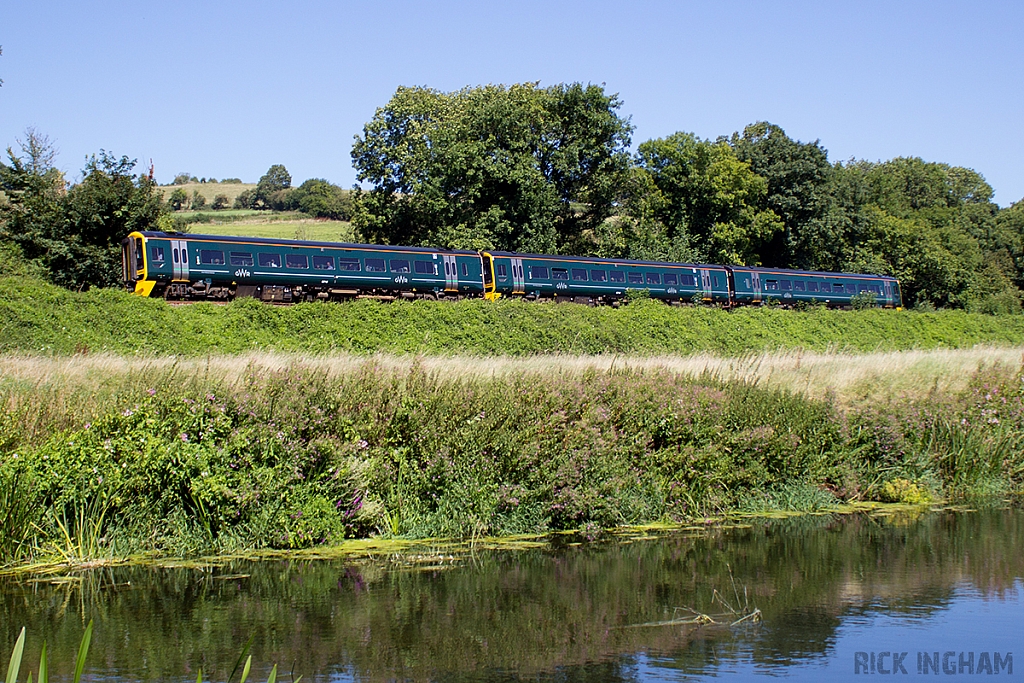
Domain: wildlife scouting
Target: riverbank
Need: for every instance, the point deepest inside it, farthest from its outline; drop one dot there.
(202, 457)
(39, 318)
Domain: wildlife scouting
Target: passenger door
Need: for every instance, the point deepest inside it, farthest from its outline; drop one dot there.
(705, 281)
(451, 273)
(518, 281)
(179, 260)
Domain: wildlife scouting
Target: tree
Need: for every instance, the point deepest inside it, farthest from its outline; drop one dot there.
(321, 199)
(220, 202)
(178, 199)
(699, 189)
(198, 200)
(75, 233)
(245, 199)
(520, 167)
(798, 176)
(183, 178)
(274, 180)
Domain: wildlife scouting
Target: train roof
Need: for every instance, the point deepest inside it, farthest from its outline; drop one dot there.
(591, 259)
(268, 241)
(820, 273)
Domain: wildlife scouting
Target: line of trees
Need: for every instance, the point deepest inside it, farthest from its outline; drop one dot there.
(525, 168)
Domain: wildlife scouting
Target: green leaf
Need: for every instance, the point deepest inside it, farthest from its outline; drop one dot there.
(273, 675)
(83, 650)
(44, 674)
(241, 657)
(245, 671)
(15, 665)
(199, 676)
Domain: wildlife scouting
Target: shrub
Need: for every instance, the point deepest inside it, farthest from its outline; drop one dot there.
(220, 202)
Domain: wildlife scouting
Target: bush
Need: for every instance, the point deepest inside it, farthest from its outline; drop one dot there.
(198, 200)
(177, 200)
(245, 200)
(220, 202)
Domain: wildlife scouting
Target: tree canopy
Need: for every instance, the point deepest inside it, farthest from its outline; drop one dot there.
(519, 168)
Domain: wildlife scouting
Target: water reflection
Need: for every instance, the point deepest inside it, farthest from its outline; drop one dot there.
(826, 587)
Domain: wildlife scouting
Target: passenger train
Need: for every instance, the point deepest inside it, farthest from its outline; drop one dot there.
(187, 267)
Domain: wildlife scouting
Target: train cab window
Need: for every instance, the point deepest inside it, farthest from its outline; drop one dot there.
(579, 275)
(812, 286)
(671, 279)
(211, 257)
(296, 261)
(653, 278)
(399, 266)
(348, 264)
(798, 286)
(787, 285)
(539, 273)
(269, 260)
(618, 276)
(771, 285)
(500, 270)
(691, 281)
(599, 276)
(424, 267)
(323, 263)
(240, 258)
(636, 278)
(158, 254)
(375, 265)
(465, 270)
(559, 274)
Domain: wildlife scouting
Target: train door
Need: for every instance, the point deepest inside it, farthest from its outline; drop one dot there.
(888, 293)
(755, 282)
(451, 274)
(705, 281)
(487, 274)
(179, 260)
(518, 281)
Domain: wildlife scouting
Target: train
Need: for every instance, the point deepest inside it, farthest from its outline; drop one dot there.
(190, 267)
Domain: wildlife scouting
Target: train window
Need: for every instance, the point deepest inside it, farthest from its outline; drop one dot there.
(323, 263)
(671, 279)
(771, 285)
(635, 278)
(598, 276)
(539, 273)
(348, 264)
(812, 286)
(579, 274)
(158, 254)
(465, 270)
(240, 258)
(211, 257)
(787, 285)
(375, 265)
(296, 261)
(399, 266)
(269, 260)
(798, 286)
(559, 274)
(653, 278)
(424, 267)
(500, 270)
(851, 289)
(618, 276)
(838, 287)
(746, 282)
(715, 278)
(174, 254)
(691, 281)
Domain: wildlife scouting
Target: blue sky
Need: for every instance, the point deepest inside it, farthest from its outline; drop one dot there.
(228, 88)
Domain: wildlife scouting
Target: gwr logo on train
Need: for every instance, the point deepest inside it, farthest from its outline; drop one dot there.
(288, 271)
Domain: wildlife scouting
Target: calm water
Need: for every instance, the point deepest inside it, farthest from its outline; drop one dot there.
(827, 589)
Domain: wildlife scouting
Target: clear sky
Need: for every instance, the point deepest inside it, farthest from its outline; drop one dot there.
(229, 88)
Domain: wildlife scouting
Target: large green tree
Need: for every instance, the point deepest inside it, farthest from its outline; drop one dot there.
(74, 232)
(698, 193)
(520, 167)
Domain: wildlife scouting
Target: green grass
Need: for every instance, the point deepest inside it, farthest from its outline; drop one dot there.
(281, 228)
(38, 317)
(208, 190)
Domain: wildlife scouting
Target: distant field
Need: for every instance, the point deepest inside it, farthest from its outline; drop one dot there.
(291, 228)
(208, 190)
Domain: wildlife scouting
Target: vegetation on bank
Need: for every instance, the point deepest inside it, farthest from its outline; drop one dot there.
(186, 463)
(37, 317)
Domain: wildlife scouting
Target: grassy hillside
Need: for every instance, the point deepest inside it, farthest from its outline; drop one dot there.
(38, 317)
(208, 190)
